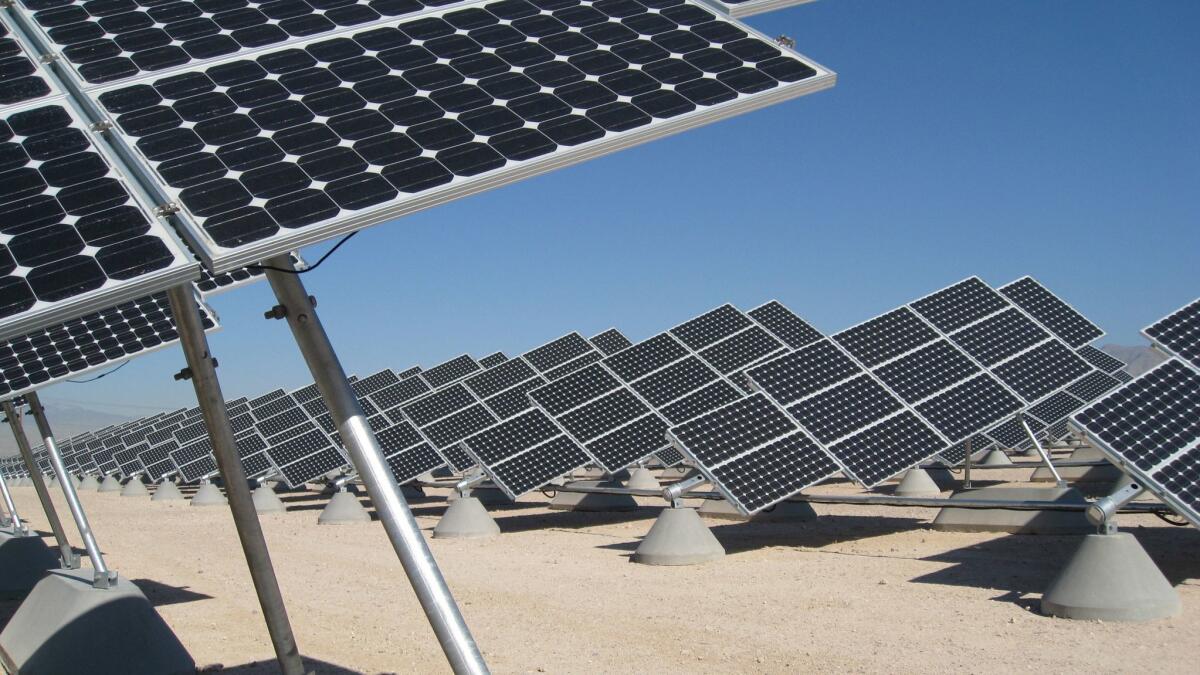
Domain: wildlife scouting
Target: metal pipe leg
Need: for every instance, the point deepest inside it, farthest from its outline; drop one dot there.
(245, 517)
(967, 464)
(16, 523)
(102, 577)
(66, 555)
(1058, 479)
(422, 570)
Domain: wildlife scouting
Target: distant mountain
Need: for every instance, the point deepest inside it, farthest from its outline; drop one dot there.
(1137, 359)
(67, 420)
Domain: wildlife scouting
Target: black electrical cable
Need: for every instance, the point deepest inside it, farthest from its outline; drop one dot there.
(310, 267)
(104, 374)
(1182, 522)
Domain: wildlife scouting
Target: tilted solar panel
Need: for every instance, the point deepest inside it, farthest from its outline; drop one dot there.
(1063, 320)
(429, 111)
(610, 341)
(1179, 333)
(75, 237)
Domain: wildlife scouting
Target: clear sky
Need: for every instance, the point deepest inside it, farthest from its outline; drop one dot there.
(1058, 139)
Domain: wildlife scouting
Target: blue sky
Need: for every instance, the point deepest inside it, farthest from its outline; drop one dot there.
(1058, 139)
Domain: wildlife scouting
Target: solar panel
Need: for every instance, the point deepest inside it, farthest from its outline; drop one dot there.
(1012, 345)
(1100, 360)
(753, 453)
(406, 452)
(492, 360)
(447, 416)
(195, 461)
(557, 352)
(401, 392)
(75, 237)
(669, 457)
(1051, 311)
(574, 365)
(610, 341)
(374, 382)
(304, 453)
(21, 78)
(432, 112)
(213, 284)
(525, 452)
(451, 371)
(1056, 408)
(745, 8)
(1010, 434)
(156, 460)
(111, 41)
(1151, 428)
(1178, 334)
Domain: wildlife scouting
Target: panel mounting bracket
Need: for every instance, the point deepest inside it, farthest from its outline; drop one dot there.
(102, 125)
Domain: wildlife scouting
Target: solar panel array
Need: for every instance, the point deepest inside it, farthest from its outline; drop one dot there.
(1178, 334)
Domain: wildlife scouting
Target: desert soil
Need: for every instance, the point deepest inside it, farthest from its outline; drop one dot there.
(861, 589)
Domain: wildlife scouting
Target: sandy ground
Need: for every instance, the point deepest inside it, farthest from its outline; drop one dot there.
(861, 589)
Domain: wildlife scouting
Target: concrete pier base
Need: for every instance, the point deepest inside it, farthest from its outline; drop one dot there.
(89, 483)
(135, 488)
(917, 483)
(466, 518)
(208, 495)
(951, 519)
(678, 537)
(166, 491)
(1111, 578)
(24, 560)
(109, 484)
(1106, 473)
(344, 508)
(591, 501)
(67, 626)
(266, 501)
(996, 457)
(487, 496)
(642, 479)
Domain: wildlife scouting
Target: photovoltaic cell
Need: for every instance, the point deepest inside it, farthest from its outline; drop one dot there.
(493, 360)
(1100, 360)
(74, 237)
(1151, 428)
(956, 306)
(610, 341)
(450, 371)
(504, 99)
(554, 354)
(885, 337)
(711, 327)
(21, 78)
(785, 325)
(1179, 333)
(1064, 321)
(90, 342)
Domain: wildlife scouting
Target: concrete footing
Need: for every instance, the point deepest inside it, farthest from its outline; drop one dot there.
(466, 518)
(24, 560)
(135, 488)
(591, 501)
(89, 483)
(1111, 578)
(208, 495)
(783, 512)
(166, 491)
(109, 484)
(951, 519)
(642, 479)
(917, 483)
(266, 501)
(67, 626)
(996, 457)
(343, 507)
(678, 537)
(1106, 473)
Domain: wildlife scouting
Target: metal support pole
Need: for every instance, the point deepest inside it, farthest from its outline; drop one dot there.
(967, 464)
(102, 577)
(674, 492)
(464, 486)
(1058, 479)
(241, 504)
(66, 555)
(15, 520)
(411, 547)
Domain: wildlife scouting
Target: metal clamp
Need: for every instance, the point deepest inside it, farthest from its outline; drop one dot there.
(166, 209)
(186, 373)
(280, 312)
(674, 492)
(104, 579)
(1103, 512)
